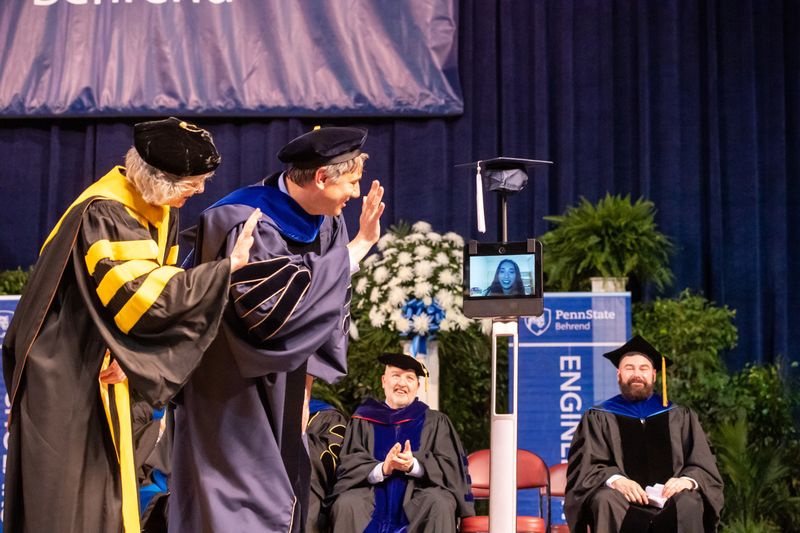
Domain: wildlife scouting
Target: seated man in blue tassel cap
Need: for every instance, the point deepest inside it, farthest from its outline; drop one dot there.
(239, 461)
(638, 462)
(402, 466)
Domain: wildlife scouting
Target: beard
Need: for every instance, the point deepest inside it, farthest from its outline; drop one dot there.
(635, 394)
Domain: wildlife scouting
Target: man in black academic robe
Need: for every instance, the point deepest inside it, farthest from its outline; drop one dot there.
(325, 434)
(636, 440)
(402, 467)
(239, 461)
(106, 311)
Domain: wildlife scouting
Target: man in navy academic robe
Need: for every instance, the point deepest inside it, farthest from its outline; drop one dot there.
(402, 467)
(635, 440)
(239, 461)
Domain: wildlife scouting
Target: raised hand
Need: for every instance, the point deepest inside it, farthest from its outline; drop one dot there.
(241, 250)
(371, 210)
(369, 223)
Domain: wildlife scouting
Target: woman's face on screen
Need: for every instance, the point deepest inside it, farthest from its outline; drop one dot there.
(506, 275)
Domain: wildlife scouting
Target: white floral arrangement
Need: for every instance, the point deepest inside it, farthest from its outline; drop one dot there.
(412, 286)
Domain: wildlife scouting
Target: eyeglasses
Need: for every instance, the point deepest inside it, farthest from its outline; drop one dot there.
(193, 186)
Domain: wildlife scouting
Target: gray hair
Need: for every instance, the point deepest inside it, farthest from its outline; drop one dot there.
(302, 176)
(156, 186)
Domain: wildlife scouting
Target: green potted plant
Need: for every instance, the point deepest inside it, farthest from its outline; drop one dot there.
(613, 239)
(12, 281)
(693, 332)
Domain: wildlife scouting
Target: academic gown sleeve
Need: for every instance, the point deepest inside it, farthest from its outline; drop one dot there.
(697, 461)
(355, 463)
(325, 434)
(356, 459)
(591, 462)
(156, 318)
(289, 306)
(444, 461)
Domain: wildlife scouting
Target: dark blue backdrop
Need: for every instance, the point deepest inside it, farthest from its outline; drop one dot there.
(693, 104)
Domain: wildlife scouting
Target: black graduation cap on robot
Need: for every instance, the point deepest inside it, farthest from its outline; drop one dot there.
(639, 346)
(503, 175)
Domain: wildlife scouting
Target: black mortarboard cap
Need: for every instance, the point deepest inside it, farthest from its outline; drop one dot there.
(404, 361)
(323, 146)
(176, 146)
(637, 345)
(503, 175)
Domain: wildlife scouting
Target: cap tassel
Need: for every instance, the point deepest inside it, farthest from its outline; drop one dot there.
(479, 200)
(664, 381)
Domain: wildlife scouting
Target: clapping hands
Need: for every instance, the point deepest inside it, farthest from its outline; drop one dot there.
(399, 458)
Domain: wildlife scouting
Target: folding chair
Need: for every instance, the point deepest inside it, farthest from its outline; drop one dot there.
(532, 473)
(558, 486)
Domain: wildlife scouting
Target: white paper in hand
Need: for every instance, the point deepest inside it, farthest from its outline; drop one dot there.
(654, 495)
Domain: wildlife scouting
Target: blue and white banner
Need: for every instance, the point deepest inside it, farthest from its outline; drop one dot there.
(229, 58)
(7, 306)
(562, 371)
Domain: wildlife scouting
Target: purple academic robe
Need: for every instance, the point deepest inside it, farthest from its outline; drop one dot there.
(239, 462)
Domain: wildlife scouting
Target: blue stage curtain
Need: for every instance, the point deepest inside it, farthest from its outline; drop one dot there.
(692, 104)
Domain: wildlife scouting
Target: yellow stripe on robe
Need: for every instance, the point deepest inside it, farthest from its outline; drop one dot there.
(139, 218)
(123, 449)
(120, 251)
(144, 297)
(130, 491)
(172, 257)
(120, 275)
(115, 186)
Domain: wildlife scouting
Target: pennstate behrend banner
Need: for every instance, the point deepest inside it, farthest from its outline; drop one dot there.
(562, 372)
(7, 306)
(268, 58)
